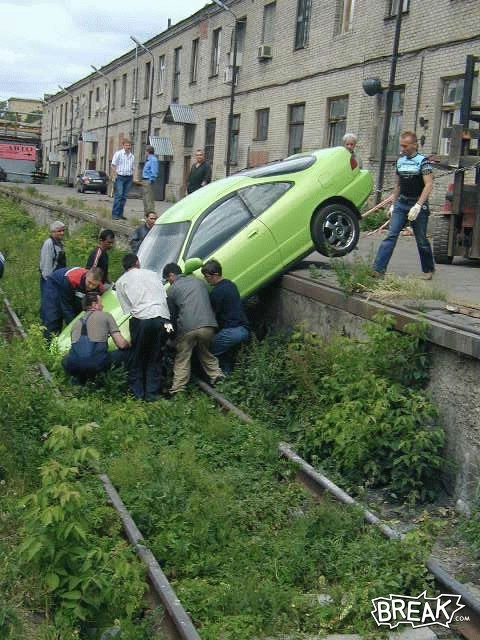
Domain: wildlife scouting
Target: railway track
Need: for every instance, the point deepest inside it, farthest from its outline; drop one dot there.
(179, 623)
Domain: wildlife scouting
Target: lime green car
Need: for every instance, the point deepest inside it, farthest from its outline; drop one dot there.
(259, 222)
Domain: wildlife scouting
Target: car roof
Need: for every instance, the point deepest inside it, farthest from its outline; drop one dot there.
(193, 205)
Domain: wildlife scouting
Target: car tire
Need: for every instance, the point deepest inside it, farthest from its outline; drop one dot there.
(335, 230)
(441, 233)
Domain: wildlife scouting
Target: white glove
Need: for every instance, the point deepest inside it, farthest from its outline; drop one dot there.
(414, 211)
(390, 211)
(168, 327)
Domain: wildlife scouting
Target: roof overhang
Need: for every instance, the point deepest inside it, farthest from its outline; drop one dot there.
(163, 146)
(180, 114)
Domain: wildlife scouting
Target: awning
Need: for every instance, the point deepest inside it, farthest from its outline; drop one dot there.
(89, 136)
(180, 114)
(162, 146)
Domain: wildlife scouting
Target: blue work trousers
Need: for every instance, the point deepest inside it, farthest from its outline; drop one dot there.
(223, 343)
(397, 223)
(122, 187)
(145, 366)
(58, 303)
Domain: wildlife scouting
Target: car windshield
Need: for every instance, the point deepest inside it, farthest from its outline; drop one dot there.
(92, 174)
(162, 245)
(290, 165)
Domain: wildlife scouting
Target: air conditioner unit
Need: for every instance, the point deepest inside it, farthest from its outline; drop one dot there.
(264, 52)
(228, 74)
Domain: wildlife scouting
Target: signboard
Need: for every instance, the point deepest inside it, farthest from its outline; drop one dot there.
(10, 151)
(89, 136)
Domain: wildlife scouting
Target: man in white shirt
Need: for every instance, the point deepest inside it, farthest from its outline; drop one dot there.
(142, 295)
(123, 167)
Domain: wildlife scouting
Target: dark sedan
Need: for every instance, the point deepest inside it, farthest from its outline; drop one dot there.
(91, 180)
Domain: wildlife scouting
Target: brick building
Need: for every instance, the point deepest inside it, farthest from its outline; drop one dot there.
(299, 86)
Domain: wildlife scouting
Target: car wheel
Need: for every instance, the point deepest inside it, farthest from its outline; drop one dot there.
(103, 191)
(335, 230)
(444, 226)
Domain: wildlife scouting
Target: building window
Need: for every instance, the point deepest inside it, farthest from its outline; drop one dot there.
(392, 7)
(189, 135)
(210, 126)
(113, 97)
(176, 74)
(65, 114)
(146, 80)
(134, 86)
(261, 129)
(296, 118)
(97, 94)
(345, 9)
(235, 134)
(60, 121)
(268, 26)
(304, 8)
(143, 144)
(215, 55)
(90, 100)
(123, 95)
(241, 29)
(161, 74)
(194, 60)
(452, 95)
(337, 120)
(156, 132)
(396, 121)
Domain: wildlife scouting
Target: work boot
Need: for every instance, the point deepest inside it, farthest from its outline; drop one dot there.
(427, 276)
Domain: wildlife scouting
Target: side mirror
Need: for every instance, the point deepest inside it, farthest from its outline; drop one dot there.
(191, 265)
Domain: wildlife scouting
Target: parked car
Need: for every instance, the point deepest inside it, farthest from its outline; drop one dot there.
(260, 222)
(91, 180)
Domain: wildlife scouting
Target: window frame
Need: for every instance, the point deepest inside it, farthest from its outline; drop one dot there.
(123, 92)
(271, 6)
(215, 52)
(161, 77)
(194, 55)
(391, 10)
(333, 121)
(345, 16)
(393, 151)
(293, 125)
(177, 64)
(146, 79)
(210, 146)
(302, 24)
(258, 133)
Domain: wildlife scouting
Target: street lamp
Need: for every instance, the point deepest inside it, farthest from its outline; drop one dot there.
(105, 150)
(223, 6)
(152, 70)
(70, 138)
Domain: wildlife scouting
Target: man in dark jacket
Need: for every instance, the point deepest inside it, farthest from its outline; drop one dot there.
(200, 173)
(99, 256)
(190, 307)
(141, 232)
(231, 318)
(62, 296)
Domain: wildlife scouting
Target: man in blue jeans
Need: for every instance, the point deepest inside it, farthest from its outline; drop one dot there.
(230, 315)
(123, 167)
(413, 187)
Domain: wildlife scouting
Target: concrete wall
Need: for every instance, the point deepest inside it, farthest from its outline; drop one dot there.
(454, 382)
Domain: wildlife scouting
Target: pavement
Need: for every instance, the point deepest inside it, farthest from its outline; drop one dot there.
(460, 281)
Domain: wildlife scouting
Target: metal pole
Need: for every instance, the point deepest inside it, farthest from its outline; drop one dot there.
(134, 100)
(152, 71)
(388, 102)
(70, 140)
(232, 100)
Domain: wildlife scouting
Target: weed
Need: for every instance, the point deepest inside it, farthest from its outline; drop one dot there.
(374, 220)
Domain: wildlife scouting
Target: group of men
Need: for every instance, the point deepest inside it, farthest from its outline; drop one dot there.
(212, 325)
(123, 169)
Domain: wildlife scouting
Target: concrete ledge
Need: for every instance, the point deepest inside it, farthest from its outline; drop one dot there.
(439, 333)
(45, 211)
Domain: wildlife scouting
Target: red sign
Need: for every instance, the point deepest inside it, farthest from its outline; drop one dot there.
(17, 152)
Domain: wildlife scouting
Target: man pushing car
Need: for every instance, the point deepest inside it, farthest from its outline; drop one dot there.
(62, 295)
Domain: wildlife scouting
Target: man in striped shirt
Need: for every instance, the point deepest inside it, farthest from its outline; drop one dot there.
(123, 167)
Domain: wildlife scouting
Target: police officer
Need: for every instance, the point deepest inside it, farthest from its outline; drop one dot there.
(413, 187)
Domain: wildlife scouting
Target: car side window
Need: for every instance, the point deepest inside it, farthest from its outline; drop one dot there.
(259, 197)
(218, 226)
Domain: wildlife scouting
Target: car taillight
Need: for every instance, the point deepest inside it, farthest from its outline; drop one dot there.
(353, 163)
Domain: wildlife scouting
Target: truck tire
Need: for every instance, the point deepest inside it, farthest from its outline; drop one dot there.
(441, 233)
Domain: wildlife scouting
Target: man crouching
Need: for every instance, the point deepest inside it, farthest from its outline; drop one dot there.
(89, 353)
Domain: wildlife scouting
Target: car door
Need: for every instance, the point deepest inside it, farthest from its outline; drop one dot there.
(242, 244)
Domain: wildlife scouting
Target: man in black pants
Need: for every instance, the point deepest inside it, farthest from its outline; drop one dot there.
(142, 296)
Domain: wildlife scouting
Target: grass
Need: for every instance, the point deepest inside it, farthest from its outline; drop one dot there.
(248, 550)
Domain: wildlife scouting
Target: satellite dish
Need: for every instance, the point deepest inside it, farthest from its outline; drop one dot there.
(372, 86)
